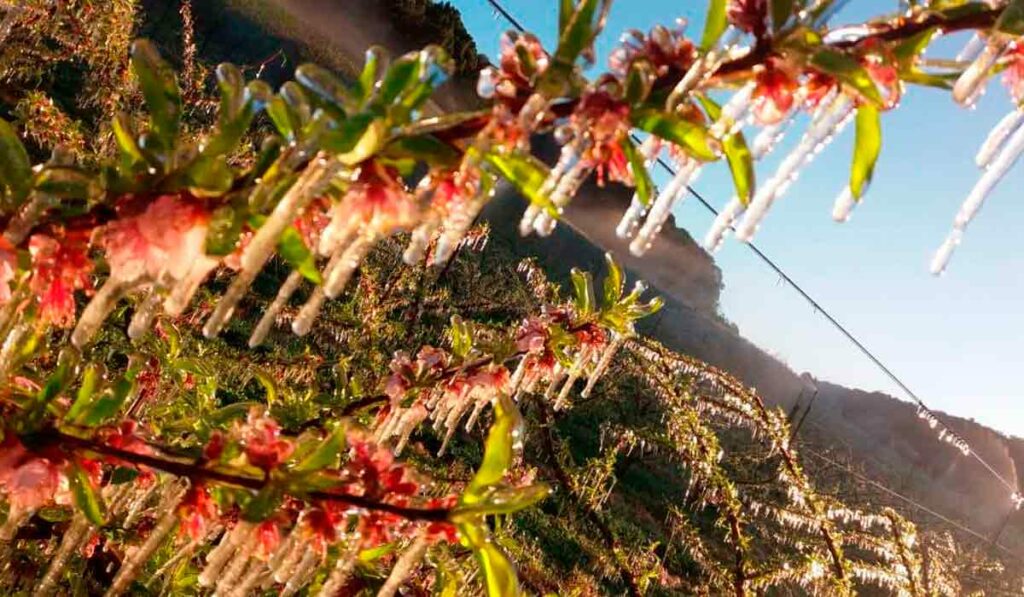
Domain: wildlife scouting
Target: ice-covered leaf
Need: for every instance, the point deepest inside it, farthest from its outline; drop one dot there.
(715, 23)
(85, 496)
(642, 182)
(526, 173)
(583, 291)
(741, 164)
(849, 71)
(293, 249)
(159, 87)
(15, 169)
(868, 146)
(614, 281)
(691, 137)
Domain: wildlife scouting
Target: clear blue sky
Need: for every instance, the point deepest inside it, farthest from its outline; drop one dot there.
(956, 340)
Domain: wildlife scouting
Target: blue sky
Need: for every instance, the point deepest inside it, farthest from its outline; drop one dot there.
(957, 339)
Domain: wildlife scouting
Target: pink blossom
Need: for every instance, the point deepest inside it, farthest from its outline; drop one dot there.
(606, 120)
(60, 266)
(28, 480)
(195, 512)
(748, 15)
(532, 336)
(773, 95)
(164, 243)
(377, 198)
(264, 447)
(664, 49)
(8, 269)
(1013, 76)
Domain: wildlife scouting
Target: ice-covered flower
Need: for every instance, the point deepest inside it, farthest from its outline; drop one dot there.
(196, 511)
(881, 67)
(164, 243)
(773, 95)
(522, 59)
(816, 88)
(604, 120)
(29, 481)
(532, 336)
(748, 15)
(60, 266)
(262, 442)
(1013, 76)
(377, 198)
(665, 49)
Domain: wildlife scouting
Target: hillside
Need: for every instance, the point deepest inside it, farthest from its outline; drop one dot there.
(879, 431)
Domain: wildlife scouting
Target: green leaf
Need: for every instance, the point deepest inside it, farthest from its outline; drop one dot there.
(123, 474)
(938, 81)
(85, 496)
(285, 119)
(368, 556)
(868, 146)
(15, 168)
(506, 500)
(124, 134)
(1011, 21)
(263, 505)
(209, 176)
(462, 337)
(714, 24)
(293, 249)
(86, 395)
(499, 575)
(782, 10)
(422, 148)
(639, 81)
(583, 291)
(526, 173)
(579, 29)
(643, 184)
(908, 50)
(159, 88)
(499, 450)
(356, 139)
(741, 164)
(614, 282)
(226, 414)
(849, 71)
(65, 182)
(268, 383)
(400, 78)
(101, 407)
(224, 229)
(326, 454)
(325, 86)
(368, 77)
(691, 137)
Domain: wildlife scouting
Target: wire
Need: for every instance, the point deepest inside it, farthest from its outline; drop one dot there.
(807, 297)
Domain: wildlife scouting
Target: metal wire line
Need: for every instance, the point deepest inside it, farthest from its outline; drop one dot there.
(496, 5)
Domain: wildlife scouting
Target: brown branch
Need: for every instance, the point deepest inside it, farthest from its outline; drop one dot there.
(197, 472)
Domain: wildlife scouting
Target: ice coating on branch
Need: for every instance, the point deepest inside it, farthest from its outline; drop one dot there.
(971, 83)
(844, 205)
(724, 221)
(997, 137)
(818, 135)
(662, 206)
(405, 565)
(999, 166)
(259, 333)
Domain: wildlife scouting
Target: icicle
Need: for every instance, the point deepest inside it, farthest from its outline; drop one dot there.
(134, 508)
(259, 333)
(473, 416)
(12, 346)
(581, 360)
(264, 241)
(303, 321)
(289, 559)
(941, 259)
(844, 205)
(723, 222)
(971, 83)
(102, 303)
(342, 570)
(16, 518)
(406, 563)
(997, 137)
(73, 538)
(218, 558)
(235, 567)
(144, 314)
(302, 573)
(23, 222)
(556, 377)
(630, 221)
(419, 240)
(254, 574)
(339, 232)
(416, 414)
(661, 209)
(971, 49)
(733, 112)
(517, 376)
(131, 566)
(603, 364)
(341, 273)
(183, 290)
(821, 132)
(768, 138)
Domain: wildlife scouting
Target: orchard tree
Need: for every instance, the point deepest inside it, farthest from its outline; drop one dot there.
(123, 436)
